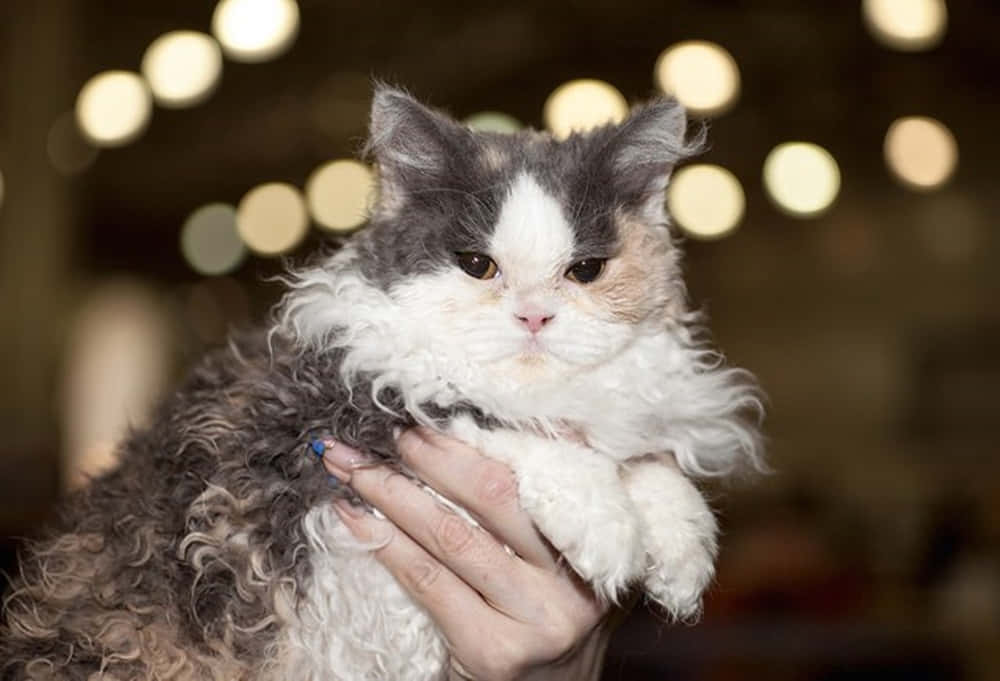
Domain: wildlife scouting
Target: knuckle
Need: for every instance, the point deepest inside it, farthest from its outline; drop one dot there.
(411, 445)
(505, 660)
(421, 576)
(392, 484)
(454, 535)
(496, 485)
(560, 636)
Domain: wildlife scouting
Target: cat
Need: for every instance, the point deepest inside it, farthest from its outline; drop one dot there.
(515, 291)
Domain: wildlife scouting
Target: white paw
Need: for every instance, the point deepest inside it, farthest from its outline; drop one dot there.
(577, 500)
(678, 574)
(679, 532)
(600, 541)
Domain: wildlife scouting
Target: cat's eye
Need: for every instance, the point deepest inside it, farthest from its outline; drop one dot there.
(586, 271)
(477, 265)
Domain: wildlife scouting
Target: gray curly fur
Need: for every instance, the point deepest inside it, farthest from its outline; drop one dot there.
(129, 579)
(242, 421)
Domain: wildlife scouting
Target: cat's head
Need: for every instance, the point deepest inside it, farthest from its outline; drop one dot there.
(519, 255)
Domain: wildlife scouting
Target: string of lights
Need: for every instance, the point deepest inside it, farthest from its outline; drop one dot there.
(182, 68)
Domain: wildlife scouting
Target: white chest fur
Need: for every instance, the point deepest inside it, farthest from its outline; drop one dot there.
(355, 623)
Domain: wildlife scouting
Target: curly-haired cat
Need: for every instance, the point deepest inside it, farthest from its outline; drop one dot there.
(519, 292)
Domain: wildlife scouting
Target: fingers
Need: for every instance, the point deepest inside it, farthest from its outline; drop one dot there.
(452, 603)
(472, 554)
(484, 487)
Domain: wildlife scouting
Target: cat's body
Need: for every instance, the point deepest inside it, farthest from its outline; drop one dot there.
(568, 353)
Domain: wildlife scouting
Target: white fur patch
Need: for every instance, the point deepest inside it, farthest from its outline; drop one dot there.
(356, 623)
(532, 241)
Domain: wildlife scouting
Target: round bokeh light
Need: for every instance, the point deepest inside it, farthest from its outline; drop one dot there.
(255, 30)
(493, 121)
(703, 76)
(114, 108)
(802, 179)
(182, 68)
(339, 194)
(272, 219)
(579, 105)
(906, 25)
(921, 152)
(706, 201)
(210, 242)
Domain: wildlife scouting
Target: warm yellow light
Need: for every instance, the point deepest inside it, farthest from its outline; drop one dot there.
(209, 240)
(493, 121)
(339, 194)
(255, 30)
(182, 68)
(908, 25)
(706, 201)
(579, 105)
(803, 179)
(117, 365)
(921, 152)
(69, 152)
(114, 108)
(271, 219)
(703, 76)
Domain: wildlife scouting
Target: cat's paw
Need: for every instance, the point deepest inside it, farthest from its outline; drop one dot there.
(678, 574)
(577, 499)
(599, 537)
(679, 533)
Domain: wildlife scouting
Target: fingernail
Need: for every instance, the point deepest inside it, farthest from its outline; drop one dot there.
(346, 508)
(340, 460)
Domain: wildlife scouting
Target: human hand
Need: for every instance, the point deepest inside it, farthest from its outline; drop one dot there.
(504, 617)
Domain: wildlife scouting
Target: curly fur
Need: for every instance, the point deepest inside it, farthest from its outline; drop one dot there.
(212, 552)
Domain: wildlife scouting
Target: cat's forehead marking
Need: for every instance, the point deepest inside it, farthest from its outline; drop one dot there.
(533, 238)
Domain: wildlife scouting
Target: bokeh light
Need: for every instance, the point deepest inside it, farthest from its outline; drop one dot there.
(339, 194)
(272, 219)
(255, 30)
(210, 242)
(114, 108)
(921, 152)
(493, 121)
(117, 366)
(703, 76)
(68, 151)
(803, 179)
(907, 25)
(579, 105)
(706, 201)
(182, 68)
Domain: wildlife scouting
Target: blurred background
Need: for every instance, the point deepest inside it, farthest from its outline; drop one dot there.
(158, 160)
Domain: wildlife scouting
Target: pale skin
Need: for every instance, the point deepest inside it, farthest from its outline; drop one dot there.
(506, 615)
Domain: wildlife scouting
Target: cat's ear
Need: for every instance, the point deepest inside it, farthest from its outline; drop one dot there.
(644, 151)
(411, 143)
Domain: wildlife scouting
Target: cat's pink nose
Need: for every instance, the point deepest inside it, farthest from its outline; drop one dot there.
(534, 322)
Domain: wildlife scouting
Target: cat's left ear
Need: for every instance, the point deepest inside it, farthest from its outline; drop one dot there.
(413, 144)
(644, 151)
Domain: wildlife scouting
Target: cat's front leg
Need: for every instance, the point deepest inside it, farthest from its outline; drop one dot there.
(577, 500)
(679, 532)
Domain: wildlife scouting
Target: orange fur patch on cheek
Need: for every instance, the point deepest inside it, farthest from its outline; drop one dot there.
(636, 283)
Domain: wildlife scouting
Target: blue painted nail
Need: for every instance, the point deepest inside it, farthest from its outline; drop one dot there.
(318, 448)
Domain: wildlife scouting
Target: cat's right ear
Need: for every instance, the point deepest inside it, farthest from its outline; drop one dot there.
(411, 143)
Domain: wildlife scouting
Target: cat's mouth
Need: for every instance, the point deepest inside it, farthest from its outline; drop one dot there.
(534, 352)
